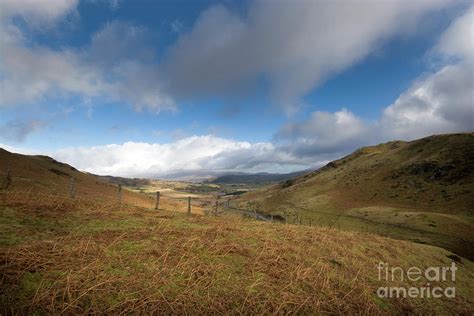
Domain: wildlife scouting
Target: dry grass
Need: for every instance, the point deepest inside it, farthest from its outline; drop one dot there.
(37, 177)
(60, 255)
(419, 191)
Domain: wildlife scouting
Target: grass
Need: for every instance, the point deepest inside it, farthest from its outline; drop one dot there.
(418, 191)
(83, 257)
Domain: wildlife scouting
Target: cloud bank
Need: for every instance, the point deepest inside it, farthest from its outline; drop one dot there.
(437, 102)
(292, 47)
(188, 155)
(116, 66)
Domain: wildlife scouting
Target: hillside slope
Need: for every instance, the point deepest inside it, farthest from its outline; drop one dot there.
(421, 190)
(42, 175)
(80, 258)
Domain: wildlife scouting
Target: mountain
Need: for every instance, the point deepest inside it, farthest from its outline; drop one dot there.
(228, 177)
(255, 178)
(420, 190)
(131, 182)
(193, 175)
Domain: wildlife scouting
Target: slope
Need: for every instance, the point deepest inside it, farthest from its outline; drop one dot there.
(42, 175)
(420, 190)
(80, 258)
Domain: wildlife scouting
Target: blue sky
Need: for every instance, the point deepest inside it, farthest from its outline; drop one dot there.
(150, 88)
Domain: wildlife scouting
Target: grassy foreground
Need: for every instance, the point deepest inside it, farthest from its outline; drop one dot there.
(74, 256)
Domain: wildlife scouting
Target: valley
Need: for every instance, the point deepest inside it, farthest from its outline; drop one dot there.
(75, 242)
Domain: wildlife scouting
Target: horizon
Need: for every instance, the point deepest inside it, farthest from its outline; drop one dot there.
(202, 175)
(150, 88)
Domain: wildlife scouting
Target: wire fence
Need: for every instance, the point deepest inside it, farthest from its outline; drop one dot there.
(82, 188)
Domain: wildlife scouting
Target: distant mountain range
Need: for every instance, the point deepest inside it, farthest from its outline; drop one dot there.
(210, 177)
(256, 178)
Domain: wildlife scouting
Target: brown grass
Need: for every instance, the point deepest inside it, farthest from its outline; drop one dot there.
(375, 187)
(37, 177)
(79, 256)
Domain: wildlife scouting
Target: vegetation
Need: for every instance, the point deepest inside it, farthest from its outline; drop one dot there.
(419, 190)
(76, 256)
(33, 176)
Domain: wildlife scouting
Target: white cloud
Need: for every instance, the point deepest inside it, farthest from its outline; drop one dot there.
(20, 150)
(324, 133)
(457, 41)
(36, 12)
(33, 74)
(438, 102)
(443, 101)
(191, 154)
(117, 66)
(293, 45)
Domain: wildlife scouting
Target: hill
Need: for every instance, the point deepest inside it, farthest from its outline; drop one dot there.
(420, 190)
(145, 185)
(131, 182)
(255, 178)
(43, 175)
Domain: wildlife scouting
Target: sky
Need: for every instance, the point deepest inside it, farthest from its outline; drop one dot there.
(168, 88)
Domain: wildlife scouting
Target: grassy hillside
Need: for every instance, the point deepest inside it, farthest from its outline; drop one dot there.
(79, 256)
(41, 175)
(421, 190)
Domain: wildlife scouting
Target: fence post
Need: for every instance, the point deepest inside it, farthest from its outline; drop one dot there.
(72, 188)
(286, 217)
(189, 205)
(271, 217)
(255, 214)
(119, 193)
(9, 178)
(157, 200)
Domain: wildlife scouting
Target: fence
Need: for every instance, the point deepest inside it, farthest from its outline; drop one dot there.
(82, 188)
(287, 217)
